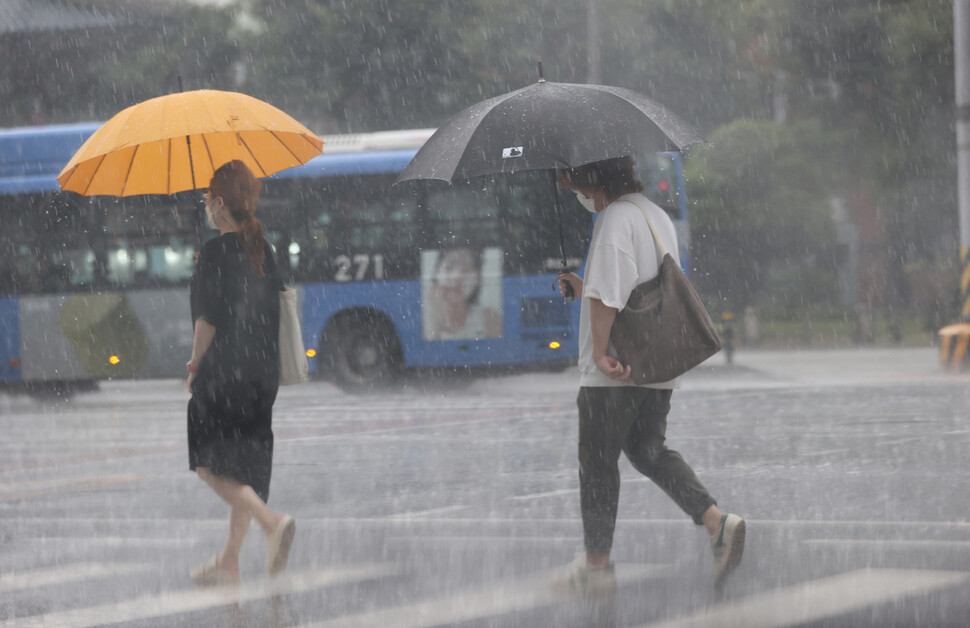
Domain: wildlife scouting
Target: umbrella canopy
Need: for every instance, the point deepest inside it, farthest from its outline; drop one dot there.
(546, 126)
(175, 143)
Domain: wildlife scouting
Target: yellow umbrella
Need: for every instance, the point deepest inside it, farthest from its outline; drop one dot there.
(145, 149)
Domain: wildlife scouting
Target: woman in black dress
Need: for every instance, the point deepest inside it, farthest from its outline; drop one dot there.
(234, 372)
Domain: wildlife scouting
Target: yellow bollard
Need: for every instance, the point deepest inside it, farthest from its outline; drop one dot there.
(954, 341)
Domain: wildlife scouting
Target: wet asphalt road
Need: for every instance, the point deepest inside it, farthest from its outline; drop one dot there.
(450, 501)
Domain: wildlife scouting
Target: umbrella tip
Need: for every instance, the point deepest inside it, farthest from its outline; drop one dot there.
(180, 83)
(541, 78)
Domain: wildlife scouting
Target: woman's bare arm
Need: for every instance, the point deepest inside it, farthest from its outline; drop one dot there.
(201, 340)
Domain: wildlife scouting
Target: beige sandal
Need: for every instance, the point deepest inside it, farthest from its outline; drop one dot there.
(278, 545)
(210, 574)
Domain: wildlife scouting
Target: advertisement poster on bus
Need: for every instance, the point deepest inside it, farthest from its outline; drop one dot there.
(461, 294)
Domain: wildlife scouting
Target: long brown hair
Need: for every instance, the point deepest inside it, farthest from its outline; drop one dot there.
(239, 189)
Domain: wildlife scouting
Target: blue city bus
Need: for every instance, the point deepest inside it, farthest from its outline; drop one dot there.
(389, 277)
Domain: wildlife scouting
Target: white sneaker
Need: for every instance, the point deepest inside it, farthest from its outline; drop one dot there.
(728, 546)
(578, 578)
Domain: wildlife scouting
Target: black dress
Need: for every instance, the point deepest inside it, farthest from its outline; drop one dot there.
(230, 417)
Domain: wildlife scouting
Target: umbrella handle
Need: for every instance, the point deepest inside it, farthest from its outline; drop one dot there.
(570, 294)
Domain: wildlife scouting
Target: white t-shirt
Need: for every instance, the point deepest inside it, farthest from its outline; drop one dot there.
(622, 255)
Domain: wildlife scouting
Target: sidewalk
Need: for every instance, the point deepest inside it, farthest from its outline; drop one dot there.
(764, 369)
(817, 367)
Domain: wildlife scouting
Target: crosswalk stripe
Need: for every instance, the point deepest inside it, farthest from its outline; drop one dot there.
(465, 541)
(171, 603)
(563, 491)
(819, 599)
(501, 521)
(424, 513)
(516, 596)
(66, 573)
(76, 542)
(65, 486)
(891, 543)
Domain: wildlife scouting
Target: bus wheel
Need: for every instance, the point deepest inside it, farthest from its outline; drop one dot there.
(364, 352)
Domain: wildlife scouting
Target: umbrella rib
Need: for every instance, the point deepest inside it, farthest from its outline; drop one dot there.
(250, 151)
(131, 164)
(280, 140)
(295, 157)
(91, 178)
(208, 153)
(168, 167)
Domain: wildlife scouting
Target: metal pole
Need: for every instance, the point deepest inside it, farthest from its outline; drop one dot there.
(593, 76)
(956, 338)
(961, 30)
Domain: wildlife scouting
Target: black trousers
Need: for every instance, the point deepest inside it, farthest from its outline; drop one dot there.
(632, 420)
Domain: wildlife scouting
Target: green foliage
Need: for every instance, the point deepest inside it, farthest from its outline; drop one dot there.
(92, 74)
(698, 57)
(881, 73)
(380, 64)
(759, 197)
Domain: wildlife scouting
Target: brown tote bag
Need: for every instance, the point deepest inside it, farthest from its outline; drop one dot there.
(664, 329)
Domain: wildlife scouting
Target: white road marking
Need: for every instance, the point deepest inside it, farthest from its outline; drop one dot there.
(65, 485)
(899, 441)
(892, 543)
(508, 597)
(66, 573)
(51, 483)
(115, 541)
(525, 521)
(491, 540)
(825, 452)
(572, 491)
(171, 603)
(818, 599)
(423, 513)
(837, 523)
(564, 491)
(382, 431)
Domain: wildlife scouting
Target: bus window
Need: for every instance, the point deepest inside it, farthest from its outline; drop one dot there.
(658, 175)
(532, 222)
(463, 215)
(284, 220)
(148, 241)
(149, 265)
(46, 244)
(356, 229)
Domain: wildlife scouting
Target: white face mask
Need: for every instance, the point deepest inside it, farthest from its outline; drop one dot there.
(210, 216)
(588, 203)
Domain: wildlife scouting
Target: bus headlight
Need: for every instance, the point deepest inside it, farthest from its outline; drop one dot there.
(310, 353)
(554, 344)
(113, 360)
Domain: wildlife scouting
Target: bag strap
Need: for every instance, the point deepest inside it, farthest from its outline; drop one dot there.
(653, 231)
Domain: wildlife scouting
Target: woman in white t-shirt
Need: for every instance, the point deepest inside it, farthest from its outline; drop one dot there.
(614, 414)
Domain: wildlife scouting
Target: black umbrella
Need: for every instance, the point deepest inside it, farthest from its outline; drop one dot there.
(548, 126)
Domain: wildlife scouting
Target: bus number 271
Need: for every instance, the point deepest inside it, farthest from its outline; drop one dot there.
(355, 268)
